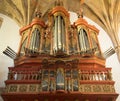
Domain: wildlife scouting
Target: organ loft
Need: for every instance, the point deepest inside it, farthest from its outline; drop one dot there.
(58, 61)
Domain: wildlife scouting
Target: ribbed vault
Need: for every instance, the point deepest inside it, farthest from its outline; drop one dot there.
(1, 20)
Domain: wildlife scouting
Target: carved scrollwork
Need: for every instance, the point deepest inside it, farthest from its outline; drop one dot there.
(96, 88)
(32, 88)
(23, 88)
(13, 88)
(44, 63)
(75, 63)
(87, 88)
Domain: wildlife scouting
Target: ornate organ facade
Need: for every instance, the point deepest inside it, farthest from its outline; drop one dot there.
(58, 61)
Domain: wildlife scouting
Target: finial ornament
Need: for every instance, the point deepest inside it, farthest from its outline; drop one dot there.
(58, 3)
(80, 13)
(81, 2)
(38, 14)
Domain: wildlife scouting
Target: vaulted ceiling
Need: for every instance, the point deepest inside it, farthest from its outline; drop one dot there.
(105, 13)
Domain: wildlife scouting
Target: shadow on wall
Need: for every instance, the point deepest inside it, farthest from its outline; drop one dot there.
(1, 90)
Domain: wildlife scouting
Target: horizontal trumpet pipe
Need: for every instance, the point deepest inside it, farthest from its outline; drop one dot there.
(8, 52)
(11, 50)
(8, 55)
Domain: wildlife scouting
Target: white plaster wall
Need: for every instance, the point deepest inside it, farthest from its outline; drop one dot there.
(112, 61)
(9, 36)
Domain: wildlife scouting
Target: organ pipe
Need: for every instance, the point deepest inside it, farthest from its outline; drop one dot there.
(63, 35)
(10, 53)
(83, 41)
(41, 41)
(22, 51)
(11, 50)
(38, 45)
(34, 39)
(31, 41)
(83, 37)
(87, 42)
(59, 32)
(55, 34)
(108, 52)
(37, 42)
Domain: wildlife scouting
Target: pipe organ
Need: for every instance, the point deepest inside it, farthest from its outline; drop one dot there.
(58, 36)
(58, 61)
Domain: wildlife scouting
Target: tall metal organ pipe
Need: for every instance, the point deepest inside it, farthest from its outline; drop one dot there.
(86, 42)
(83, 37)
(59, 33)
(55, 47)
(31, 41)
(63, 35)
(35, 40)
(83, 41)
